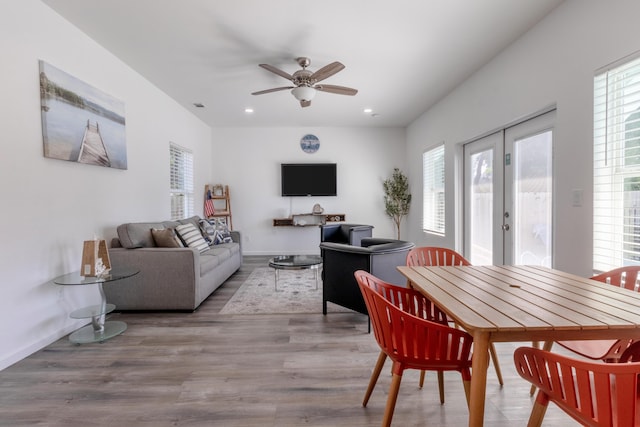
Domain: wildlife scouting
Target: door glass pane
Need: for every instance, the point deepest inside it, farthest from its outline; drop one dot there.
(532, 224)
(481, 208)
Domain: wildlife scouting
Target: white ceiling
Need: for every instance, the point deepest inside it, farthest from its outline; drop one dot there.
(402, 55)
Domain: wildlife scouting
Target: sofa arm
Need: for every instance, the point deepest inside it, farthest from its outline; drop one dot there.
(386, 245)
(343, 247)
(237, 238)
(167, 280)
(370, 246)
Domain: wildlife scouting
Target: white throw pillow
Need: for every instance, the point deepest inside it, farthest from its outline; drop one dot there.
(192, 237)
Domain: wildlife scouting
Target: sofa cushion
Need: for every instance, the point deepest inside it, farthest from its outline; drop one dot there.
(170, 224)
(194, 220)
(232, 247)
(221, 252)
(208, 261)
(166, 238)
(192, 236)
(137, 234)
(208, 230)
(222, 233)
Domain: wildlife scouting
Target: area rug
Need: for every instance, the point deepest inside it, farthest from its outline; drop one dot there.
(296, 293)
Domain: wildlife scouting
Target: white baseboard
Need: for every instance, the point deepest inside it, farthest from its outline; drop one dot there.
(276, 253)
(36, 346)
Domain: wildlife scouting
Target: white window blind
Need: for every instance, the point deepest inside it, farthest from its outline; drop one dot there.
(616, 169)
(181, 182)
(433, 190)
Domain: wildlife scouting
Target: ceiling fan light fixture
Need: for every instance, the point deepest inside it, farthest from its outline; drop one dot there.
(303, 93)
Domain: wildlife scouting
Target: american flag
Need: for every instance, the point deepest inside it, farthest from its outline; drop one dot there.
(208, 208)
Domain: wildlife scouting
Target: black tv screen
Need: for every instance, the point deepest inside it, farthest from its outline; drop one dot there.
(308, 179)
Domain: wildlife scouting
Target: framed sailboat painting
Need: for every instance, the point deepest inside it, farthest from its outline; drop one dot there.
(79, 122)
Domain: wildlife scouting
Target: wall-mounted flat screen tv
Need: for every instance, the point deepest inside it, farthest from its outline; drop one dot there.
(308, 179)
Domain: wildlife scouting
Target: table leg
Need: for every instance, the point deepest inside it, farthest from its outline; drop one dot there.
(276, 277)
(99, 330)
(479, 367)
(98, 321)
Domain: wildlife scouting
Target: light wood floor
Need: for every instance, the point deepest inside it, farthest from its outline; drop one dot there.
(207, 369)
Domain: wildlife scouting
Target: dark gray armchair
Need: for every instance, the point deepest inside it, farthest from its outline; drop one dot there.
(350, 234)
(379, 257)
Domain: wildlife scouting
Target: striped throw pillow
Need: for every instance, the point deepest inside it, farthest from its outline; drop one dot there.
(192, 237)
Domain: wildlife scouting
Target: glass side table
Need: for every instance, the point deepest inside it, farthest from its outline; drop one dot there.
(99, 330)
(296, 262)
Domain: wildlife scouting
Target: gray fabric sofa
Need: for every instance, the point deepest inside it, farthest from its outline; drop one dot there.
(169, 278)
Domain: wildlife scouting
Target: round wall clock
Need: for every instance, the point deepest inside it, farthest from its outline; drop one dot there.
(310, 144)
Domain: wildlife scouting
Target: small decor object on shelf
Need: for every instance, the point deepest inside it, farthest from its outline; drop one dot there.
(310, 144)
(95, 259)
(317, 209)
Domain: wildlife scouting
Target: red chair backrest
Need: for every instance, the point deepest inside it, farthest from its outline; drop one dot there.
(412, 341)
(406, 299)
(427, 256)
(593, 393)
(624, 277)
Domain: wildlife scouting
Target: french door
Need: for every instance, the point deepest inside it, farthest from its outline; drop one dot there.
(508, 199)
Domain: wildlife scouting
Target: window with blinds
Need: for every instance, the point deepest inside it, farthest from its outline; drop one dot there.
(181, 182)
(616, 168)
(433, 190)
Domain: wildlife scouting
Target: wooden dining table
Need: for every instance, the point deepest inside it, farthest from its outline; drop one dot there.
(524, 303)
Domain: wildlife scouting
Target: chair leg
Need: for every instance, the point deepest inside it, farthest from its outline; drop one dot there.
(538, 411)
(467, 391)
(441, 386)
(496, 363)
(440, 383)
(391, 400)
(374, 377)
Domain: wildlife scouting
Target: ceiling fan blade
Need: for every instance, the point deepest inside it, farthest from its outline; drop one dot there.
(277, 71)
(327, 71)
(305, 103)
(275, 89)
(340, 90)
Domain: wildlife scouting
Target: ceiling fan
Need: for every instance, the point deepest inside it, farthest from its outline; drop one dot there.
(306, 82)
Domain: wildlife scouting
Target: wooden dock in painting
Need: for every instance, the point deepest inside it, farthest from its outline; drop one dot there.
(93, 150)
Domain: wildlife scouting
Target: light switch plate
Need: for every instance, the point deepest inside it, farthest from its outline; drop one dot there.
(576, 197)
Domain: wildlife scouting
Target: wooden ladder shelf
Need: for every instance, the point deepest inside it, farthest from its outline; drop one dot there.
(217, 203)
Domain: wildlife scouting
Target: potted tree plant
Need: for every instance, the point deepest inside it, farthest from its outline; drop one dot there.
(397, 197)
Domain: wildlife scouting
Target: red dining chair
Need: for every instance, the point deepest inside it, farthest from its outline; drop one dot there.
(428, 256)
(411, 342)
(594, 394)
(610, 350)
(412, 302)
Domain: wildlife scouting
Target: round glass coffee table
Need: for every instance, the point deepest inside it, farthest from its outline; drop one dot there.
(296, 262)
(99, 330)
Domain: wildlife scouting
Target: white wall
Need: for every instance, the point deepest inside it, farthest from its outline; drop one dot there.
(248, 159)
(51, 206)
(552, 64)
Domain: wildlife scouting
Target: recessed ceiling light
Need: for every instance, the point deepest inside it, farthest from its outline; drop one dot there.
(368, 110)
(198, 104)
(248, 110)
